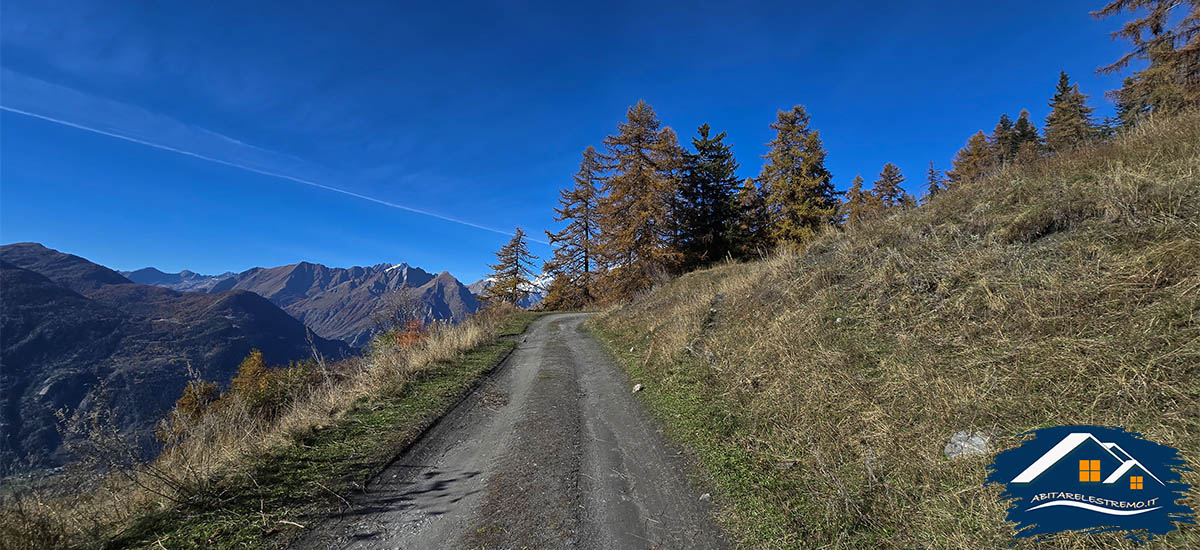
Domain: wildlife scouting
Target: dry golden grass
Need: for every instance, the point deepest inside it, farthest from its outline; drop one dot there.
(87, 509)
(819, 387)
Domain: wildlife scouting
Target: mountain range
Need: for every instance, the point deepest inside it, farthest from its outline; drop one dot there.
(184, 280)
(537, 290)
(79, 337)
(346, 304)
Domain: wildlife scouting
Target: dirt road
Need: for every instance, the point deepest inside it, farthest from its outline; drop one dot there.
(551, 451)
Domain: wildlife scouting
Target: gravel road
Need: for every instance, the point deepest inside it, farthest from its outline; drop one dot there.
(550, 451)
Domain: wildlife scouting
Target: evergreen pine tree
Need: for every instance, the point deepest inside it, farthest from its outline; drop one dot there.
(888, 188)
(1027, 142)
(574, 257)
(512, 273)
(1004, 140)
(971, 162)
(1069, 123)
(801, 198)
(749, 237)
(1025, 132)
(670, 163)
(638, 233)
(707, 197)
(934, 182)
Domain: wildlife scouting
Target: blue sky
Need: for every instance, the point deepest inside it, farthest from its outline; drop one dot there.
(476, 113)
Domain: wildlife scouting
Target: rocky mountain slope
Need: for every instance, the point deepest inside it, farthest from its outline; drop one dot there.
(348, 304)
(79, 337)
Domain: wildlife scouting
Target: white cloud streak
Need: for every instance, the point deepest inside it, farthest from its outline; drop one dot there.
(254, 170)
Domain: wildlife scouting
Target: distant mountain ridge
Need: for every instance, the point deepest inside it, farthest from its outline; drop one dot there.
(78, 336)
(344, 304)
(184, 280)
(537, 290)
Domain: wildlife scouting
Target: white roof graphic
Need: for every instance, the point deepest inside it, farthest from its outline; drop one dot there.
(1068, 444)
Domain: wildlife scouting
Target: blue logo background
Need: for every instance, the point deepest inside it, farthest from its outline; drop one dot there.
(1092, 479)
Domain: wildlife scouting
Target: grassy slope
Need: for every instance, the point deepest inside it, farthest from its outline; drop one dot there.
(306, 480)
(817, 389)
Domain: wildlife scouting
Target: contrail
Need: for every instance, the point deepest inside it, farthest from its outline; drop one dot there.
(258, 171)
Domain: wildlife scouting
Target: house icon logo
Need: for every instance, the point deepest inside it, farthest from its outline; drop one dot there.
(1092, 479)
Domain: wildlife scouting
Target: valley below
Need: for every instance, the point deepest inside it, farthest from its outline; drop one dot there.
(96, 346)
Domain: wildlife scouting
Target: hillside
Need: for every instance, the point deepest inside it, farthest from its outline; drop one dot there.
(336, 303)
(80, 337)
(818, 388)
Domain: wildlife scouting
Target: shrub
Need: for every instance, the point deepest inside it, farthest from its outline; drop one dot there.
(190, 406)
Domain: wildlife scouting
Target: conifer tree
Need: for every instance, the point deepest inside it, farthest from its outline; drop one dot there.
(861, 204)
(888, 188)
(671, 162)
(574, 255)
(1027, 142)
(801, 198)
(637, 230)
(971, 162)
(512, 273)
(1024, 131)
(934, 182)
(1171, 79)
(1004, 140)
(708, 203)
(1069, 123)
(749, 237)
(1155, 89)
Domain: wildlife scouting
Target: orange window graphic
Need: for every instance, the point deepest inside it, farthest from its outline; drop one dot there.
(1089, 470)
(1135, 482)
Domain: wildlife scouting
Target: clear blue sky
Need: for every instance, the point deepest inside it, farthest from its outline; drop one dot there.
(473, 113)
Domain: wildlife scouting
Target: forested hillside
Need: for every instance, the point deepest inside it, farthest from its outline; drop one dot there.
(819, 388)
(644, 208)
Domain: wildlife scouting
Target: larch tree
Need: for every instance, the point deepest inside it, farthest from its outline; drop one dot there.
(1069, 123)
(861, 204)
(971, 162)
(574, 256)
(888, 187)
(512, 274)
(638, 234)
(708, 202)
(934, 182)
(1170, 80)
(801, 198)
